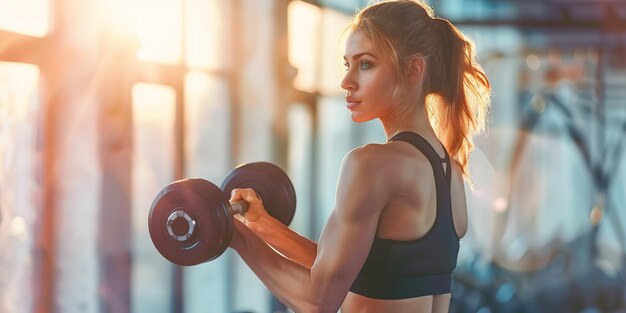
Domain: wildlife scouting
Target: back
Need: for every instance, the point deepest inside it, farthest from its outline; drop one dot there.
(416, 242)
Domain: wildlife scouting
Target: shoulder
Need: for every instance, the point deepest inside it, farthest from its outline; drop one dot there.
(396, 151)
(392, 156)
(373, 160)
(397, 160)
(366, 177)
(390, 165)
(368, 154)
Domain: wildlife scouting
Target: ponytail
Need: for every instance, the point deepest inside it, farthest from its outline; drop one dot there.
(457, 97)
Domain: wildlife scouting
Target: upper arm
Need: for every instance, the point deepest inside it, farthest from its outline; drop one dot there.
(363, 191)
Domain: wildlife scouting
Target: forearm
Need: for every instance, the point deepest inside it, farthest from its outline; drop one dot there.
(288, 281)
(289, 243)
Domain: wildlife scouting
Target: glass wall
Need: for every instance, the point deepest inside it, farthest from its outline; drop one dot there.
(21, 157)
(207, 149)
(153, 168)
(59, 140)
(20, 183)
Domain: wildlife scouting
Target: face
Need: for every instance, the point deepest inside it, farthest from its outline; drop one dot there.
(370, 79)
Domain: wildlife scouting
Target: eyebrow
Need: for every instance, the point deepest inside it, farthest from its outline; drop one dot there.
(358, 55)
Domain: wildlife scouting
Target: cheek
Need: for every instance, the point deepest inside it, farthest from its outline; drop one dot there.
(382, 87)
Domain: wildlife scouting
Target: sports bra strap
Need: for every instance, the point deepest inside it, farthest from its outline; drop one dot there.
(424, 146)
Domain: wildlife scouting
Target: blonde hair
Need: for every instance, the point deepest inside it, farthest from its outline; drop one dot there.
(457, 98)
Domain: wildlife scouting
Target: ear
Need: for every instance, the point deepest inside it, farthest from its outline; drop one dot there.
(417, 66)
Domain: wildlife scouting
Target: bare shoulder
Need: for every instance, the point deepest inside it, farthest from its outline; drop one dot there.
(405, 161)
(379, 161)
(366, 174)
(370, 152)
(362, 159)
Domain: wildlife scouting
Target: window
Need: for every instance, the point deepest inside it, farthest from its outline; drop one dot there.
(20, 186)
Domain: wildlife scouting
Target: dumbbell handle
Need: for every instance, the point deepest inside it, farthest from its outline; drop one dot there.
(189, 224)
(239, 207)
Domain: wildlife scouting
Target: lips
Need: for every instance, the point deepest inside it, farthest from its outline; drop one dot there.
(352, 102)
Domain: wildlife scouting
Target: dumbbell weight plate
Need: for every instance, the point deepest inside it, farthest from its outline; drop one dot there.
(271, 184)
(207, 206)
(224, 216)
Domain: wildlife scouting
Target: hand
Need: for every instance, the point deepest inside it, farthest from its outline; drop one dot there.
(256, 211)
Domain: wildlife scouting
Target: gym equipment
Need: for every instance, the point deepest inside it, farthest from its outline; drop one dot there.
(191, 220)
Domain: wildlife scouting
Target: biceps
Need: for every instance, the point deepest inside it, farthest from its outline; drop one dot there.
(343, 248)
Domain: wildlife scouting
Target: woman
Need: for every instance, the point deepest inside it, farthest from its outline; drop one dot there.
(391, 243)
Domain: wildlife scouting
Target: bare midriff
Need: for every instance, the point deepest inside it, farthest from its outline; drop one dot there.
(426, 304)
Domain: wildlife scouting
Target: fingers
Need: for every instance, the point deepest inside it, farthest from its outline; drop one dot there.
(245, 194)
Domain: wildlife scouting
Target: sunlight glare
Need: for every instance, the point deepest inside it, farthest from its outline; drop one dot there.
(157, 25)
(28, 17)
(334, 38)
(500, 204)
(304, 43)
(153, 104)
(18, 227)
(207, 33)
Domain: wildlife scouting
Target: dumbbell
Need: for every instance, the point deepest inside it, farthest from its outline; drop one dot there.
(191, 220)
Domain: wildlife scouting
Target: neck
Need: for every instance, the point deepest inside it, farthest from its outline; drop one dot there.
(408, 117)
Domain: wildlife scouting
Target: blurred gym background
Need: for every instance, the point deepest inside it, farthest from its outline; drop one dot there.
(104, 102)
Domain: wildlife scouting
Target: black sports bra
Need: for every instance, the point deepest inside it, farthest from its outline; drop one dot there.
(420, 267)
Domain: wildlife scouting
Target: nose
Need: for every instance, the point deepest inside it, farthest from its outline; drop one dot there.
(348, 83)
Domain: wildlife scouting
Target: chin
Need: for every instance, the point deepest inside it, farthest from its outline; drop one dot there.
(359, 118)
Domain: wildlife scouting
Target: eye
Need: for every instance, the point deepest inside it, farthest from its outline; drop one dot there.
(365, 65)
(346, 65)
